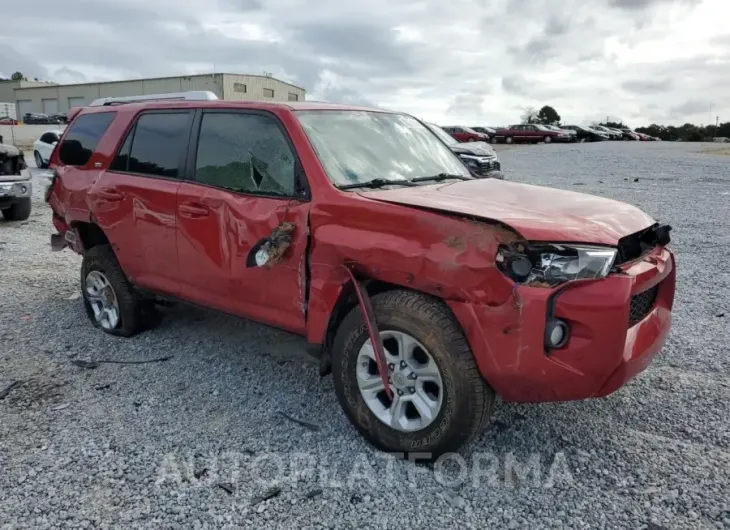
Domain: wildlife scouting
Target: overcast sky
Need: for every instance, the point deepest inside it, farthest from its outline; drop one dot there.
(467, 62)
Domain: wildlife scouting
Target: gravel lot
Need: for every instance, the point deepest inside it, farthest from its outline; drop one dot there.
(196, 441)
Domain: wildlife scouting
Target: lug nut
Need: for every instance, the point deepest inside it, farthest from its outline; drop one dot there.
(412, 390)
(411, 376)
(402, 364)
(400, 392)
(391, 366)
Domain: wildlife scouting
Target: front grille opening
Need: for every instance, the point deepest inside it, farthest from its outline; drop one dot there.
(642, 304)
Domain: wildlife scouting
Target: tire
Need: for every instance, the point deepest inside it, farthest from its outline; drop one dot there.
(582, 140)
(547, 139)
(39, 160)
(135, 313)
(19, 211)
(508, 140)
(467, 401)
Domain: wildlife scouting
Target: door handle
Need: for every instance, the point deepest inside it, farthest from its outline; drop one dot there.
(110, 195)
(194, 210)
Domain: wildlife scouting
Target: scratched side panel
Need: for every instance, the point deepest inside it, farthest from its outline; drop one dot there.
(448, 257)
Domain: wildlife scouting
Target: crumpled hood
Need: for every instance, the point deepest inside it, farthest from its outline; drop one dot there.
(474, 148)
(536, 212)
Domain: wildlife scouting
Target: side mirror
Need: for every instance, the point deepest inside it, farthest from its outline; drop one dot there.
(270, 250)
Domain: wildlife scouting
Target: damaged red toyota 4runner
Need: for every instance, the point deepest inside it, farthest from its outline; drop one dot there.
(427, 291)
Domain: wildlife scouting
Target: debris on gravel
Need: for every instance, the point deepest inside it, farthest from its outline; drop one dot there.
(192, 441)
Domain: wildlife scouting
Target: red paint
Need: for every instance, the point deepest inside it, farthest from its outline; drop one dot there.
(190, 240)
(373, 331)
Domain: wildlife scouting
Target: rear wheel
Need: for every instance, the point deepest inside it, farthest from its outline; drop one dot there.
(111, 302)
(508, 140)
(547, 139)
(440, 401)
(19, 211)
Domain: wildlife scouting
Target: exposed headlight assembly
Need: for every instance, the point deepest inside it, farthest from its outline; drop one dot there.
(548, 265)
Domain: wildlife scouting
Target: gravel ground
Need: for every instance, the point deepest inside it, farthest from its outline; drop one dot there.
(197, 441)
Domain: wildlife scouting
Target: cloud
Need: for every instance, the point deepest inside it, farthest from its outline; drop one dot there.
(458, 62)
(692, 107)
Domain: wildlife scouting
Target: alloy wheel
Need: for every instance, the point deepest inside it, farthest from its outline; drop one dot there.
(103, 300)
(413, 377)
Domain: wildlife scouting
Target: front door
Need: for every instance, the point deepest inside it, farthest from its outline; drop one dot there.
(243, 186)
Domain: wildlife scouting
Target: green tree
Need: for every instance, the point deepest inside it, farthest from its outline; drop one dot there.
(548, 115)
(17, 76)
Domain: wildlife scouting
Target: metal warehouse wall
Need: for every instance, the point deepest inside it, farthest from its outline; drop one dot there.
(63, 97)
(240, 87)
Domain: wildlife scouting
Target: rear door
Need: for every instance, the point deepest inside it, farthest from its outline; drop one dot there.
(245, 182)
(135, 200)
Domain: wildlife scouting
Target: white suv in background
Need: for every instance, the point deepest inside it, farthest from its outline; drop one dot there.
(43, 147)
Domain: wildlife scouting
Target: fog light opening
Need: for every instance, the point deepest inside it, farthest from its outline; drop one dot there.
(556, 334)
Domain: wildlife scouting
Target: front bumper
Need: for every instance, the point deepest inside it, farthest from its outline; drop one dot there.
(15, 189)
(603, 352)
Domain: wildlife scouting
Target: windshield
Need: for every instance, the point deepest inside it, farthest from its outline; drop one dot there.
(542, 127)
(445, 137)
(360, 146)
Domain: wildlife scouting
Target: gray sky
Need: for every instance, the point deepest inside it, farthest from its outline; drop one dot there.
(468, 62)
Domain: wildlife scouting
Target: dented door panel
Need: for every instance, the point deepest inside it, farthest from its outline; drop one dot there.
(217, 230)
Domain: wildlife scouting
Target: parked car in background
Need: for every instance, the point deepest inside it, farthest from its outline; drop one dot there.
(530, 133)
(489, 131)
(16, 187)
(479, 157)
(43, 147)
(465, 134)
(612, 134)
(6, 120)
(586, 134)
(573, 134)
(425, 292)
(58, 118)
(36, 118)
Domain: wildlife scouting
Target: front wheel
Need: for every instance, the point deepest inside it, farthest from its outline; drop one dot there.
(440, 401)
(19, 211)
(508, 140)
(39, 160)
(547, 139)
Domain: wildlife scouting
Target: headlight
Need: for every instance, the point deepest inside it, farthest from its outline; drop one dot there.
(548, 265)
(470, 162)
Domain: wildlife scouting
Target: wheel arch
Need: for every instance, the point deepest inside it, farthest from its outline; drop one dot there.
(90, 234)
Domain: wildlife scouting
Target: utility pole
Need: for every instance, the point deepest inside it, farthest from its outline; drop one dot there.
(717, 124)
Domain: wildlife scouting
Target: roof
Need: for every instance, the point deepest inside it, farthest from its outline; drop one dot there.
(246, 104)
(55, 85)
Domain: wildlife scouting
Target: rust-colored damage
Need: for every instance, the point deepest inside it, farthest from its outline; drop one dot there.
(279, 242)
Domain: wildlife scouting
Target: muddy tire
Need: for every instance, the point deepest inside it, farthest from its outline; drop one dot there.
(466, 401)
(103, 283)
(19, 211)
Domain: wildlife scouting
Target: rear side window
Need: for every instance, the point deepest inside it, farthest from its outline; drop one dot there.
(155, 146)
(83, 136)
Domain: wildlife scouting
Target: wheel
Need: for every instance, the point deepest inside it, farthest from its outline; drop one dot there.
(111, 302)
(547, 139)
(582, 140)
(39, 160)
(508, 140)
(440, 401)
(19, 211)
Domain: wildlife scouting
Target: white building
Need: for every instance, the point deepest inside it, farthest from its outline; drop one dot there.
(48, 98)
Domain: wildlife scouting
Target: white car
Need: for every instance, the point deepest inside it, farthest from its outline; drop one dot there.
(43, 147)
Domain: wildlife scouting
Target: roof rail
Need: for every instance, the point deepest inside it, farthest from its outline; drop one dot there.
(194, 95)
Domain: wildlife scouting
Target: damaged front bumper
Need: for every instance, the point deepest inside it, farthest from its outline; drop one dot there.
(616, 326)
(18, 188)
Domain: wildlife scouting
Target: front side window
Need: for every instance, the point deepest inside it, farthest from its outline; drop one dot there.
(360, 146)
(246, 153)
(83, 136)
(155, 146)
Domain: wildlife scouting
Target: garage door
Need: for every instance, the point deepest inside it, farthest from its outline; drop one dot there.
(25, 107)
(50, 106)
(75, 102)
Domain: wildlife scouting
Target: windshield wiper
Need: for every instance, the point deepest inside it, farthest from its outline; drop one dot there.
(377, 183)
(440, 177)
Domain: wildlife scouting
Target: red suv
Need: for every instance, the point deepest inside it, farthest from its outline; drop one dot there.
(427, 292)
